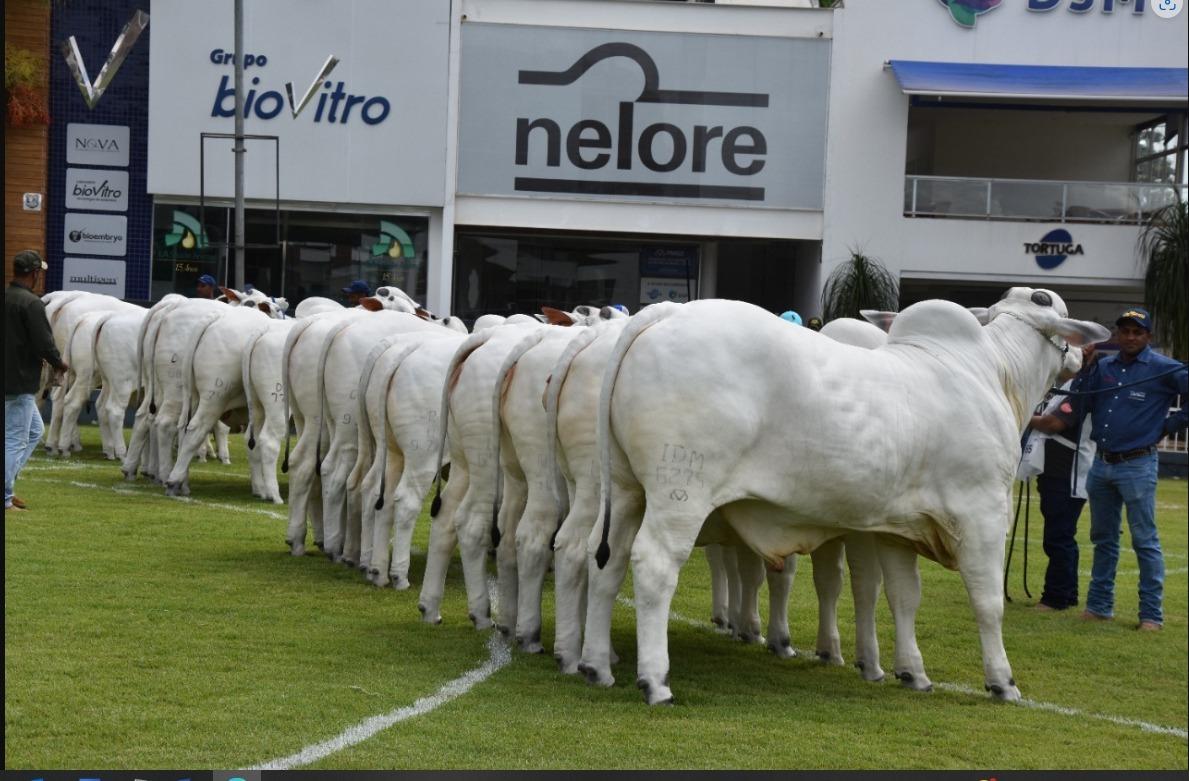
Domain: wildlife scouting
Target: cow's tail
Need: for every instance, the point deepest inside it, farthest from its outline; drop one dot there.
(320, 386)
(290, 343)
(189, 384)
(246, 377)
(468, 346)
(644, 320)
(531, 340)
(146, 344)
(382, 443)
(551, 400)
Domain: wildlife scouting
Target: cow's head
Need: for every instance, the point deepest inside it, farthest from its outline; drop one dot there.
(1045, 311)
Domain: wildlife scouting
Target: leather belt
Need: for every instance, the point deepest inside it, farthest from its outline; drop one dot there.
(1125, 455)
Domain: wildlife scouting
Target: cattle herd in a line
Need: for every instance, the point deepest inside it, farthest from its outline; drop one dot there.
(589, 439)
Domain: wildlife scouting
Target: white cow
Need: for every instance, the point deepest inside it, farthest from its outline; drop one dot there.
(141, 455)
(82, 378)
(65, 311)
(116, 369)
(264, 392)
(303, 394)
(806, 439)
(212, 378)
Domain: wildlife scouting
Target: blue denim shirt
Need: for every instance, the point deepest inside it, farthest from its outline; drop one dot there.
(1133, 417)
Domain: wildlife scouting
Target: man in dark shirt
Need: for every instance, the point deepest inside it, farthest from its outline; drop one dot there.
(206, 287)
(1127, 423)
(355, 291)
(28, 341)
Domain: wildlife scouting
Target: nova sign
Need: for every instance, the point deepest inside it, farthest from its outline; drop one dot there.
(642, 116)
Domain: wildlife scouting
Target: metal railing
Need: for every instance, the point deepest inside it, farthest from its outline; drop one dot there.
(1036, 199)
(1177, 443)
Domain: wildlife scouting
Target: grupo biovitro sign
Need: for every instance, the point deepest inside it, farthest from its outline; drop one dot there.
(642, 115)
(334, 104)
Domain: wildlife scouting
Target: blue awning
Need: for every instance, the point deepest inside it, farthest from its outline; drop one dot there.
(1042, 82)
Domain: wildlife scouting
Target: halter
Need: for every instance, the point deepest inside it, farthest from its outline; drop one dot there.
(1061, 347)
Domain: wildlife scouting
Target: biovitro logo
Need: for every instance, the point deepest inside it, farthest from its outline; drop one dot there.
(592, 145)
(335, 105)
(185, 232)
(394, 242)
(96, 191)
(1053, 248)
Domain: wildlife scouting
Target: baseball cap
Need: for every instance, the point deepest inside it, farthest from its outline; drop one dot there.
(27, 261)
(358, 286)
(815, 323)
(791, 316)
(1137, 315)
(207, 279)
(620, 308)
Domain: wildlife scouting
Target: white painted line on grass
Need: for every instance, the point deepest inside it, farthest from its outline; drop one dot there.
(500, 655)
(154, 493)
(963, 689)
(1065, 711)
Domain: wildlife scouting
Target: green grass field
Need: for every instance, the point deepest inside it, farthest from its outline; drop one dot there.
(149, 632)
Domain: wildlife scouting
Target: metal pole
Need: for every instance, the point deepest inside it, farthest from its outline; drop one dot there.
(238, 149)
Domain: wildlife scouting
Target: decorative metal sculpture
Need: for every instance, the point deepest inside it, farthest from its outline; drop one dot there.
(93, 91)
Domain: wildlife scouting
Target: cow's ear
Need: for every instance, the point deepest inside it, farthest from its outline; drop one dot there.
(423, 313)
(876, 317)
(265, 307)
(981, 313)
(371, 304)
(556, 316)
(231, 294)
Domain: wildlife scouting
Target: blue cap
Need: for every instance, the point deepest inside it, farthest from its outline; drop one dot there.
(791, 316)
(358, 286)
(207, 279)
(620, 308)
(1137, 315)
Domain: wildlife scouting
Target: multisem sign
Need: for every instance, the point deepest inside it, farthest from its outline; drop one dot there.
(1052, 250)
(334, 106)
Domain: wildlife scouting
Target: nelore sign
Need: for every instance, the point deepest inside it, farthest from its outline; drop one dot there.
(622, 115)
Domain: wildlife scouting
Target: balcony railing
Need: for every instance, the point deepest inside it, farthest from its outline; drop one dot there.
(1035, 199)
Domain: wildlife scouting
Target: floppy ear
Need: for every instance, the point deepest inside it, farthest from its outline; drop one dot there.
(1079, 332)
(371, 303)
(981, 313)
(282, 304)
(265, 307)
(424, 314)
(231, 294)
(556, 316)
(876, 317)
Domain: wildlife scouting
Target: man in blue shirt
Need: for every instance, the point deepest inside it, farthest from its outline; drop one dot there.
(1126, 425)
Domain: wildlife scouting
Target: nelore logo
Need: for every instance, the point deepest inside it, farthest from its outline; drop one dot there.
(394, 242)
(966, 12)
(185, 232)
(592, 144)
(1052, 250)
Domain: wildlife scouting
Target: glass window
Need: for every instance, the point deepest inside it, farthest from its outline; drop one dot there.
(1160, 150)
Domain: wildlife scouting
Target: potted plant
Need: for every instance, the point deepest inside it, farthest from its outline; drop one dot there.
(1164, 249)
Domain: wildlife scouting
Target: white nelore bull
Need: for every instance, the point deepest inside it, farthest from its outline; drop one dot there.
(799, 439)
(264, 392)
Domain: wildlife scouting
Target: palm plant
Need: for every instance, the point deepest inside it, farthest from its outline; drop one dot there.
(1164, 248)
(862, 282)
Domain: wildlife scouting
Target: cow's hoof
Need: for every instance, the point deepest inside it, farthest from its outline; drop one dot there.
(350, 563)
(531, 645)
(782, 648)
(399, 582)
(920, 683)
(129, 476)
(749, 638)
(873, 673)
(1007, 693)
(566, 666)
(481, 622)
(503, 630)
(595, 676)
(655, 695)
(720, 625)
(830, 658)
(320, 544)
(429, 616)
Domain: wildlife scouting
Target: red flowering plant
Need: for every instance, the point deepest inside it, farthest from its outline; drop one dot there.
(25, 98)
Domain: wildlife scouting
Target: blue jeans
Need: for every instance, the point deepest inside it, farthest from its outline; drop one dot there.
(1111, 486)
(22, 431)
(1060, 511)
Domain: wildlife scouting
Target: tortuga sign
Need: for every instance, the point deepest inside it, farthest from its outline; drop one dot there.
(623, 115)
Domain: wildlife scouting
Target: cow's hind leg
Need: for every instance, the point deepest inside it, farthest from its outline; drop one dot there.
(746, 611)
(719, 587)
(661, 548)
(899, 564)
(827, 582)
(980, 562)
(780, 585)
(865, 579)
